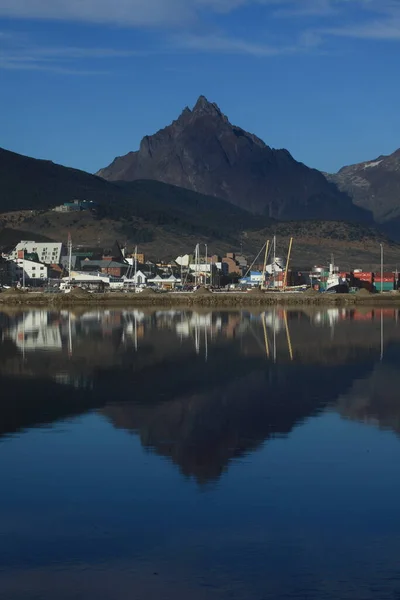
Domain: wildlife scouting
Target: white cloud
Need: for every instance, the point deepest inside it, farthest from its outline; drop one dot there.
(384, 24)
(168, 13)
(18, 53)
(13, 65)
(230, 45)
(147, 12)
(124, 12)
(385, 29)
(362, 19)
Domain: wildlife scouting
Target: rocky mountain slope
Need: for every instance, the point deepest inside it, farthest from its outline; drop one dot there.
(204, 152)
(373, 185)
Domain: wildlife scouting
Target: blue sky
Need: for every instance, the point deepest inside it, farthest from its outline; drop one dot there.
(82, 81)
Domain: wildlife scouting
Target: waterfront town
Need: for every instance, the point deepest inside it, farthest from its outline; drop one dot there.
(56, 266)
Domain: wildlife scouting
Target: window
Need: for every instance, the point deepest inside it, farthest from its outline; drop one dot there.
(41, 268)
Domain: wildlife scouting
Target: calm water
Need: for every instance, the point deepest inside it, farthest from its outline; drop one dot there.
(183, 455)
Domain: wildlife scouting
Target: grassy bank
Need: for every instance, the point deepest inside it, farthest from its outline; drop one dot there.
(205, 299)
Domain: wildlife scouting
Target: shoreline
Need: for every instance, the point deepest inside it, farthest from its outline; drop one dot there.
(209, 300)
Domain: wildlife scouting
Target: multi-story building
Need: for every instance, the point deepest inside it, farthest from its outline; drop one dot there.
(48, 253)
(33, 270)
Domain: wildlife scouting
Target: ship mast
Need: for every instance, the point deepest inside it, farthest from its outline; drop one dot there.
(274, 263)
(69, 258)
(135, 272)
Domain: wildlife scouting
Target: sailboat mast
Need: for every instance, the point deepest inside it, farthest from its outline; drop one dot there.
(265, 263)
(196, 264)
(274, 262)
(287, 263)
(69, 257)
(135, 273)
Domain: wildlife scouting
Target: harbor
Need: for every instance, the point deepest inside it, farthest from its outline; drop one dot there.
(200, 297)
(56, 275)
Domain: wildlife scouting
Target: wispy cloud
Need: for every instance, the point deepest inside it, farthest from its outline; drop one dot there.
(385, 29)
(175, 12)
(230, 45)
(381, 21)
(18, 53)
(321, 22)
(123, 12)
(26, 65)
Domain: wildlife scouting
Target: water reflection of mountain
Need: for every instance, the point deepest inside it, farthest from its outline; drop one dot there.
(200, 389)
(375, 399)
(202, 432)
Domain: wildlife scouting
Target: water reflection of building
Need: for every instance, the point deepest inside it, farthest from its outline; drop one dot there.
(37, 330)
(97, 337)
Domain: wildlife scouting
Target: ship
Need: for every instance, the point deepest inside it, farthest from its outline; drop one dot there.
(329, 279)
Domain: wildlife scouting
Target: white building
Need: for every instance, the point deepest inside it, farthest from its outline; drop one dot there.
(48, 252)
(139, 278)
(164, 282)
(184, 261)
(200, 268)
(33, 270)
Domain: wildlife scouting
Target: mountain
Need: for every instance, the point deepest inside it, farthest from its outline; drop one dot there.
(204, 152)
(29, 183)
(36, 186)
(374, 185)
(163, 219)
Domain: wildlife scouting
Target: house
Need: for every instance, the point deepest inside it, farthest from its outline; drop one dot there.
(48, 253)
(75, 206)
(75, 262)
(201, 268)
(139, 279)
(30, 270)
(106, 266)
(254, 279)
(140, 258)
(115, 253)
(232, 264)
(165, 283)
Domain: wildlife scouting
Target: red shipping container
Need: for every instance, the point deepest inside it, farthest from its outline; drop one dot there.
(363, 277)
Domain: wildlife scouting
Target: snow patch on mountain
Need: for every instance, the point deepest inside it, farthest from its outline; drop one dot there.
(373, 164)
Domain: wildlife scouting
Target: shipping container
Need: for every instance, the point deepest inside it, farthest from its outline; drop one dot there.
(384, 286)
(364, 276)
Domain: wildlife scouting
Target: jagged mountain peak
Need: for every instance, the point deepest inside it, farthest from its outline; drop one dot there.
(204, 107)
(202, 151)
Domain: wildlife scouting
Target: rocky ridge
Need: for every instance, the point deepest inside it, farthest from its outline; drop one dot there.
(202, 151)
